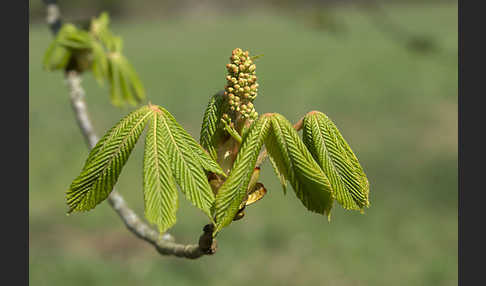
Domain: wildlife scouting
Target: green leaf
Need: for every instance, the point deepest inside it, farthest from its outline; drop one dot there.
(296, 164)
(200, 154)
(100, 62)
(159, 187)
(337, 160)
(105, 162)
(185, 164)
(56, 57)
(134, 87)
(211, 126)
(126, 88)
(99, 26)
(234, 189)
(114, 79)
(276, 169)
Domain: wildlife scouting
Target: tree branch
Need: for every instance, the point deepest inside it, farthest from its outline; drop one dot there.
(164, 243)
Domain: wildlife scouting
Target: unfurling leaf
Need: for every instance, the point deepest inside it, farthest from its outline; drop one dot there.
(105, 162)
(125, 83)
(335, 157)
(210, 129)
(234, 189)
(185, 163)
(296, 164)
(159, 187)
(99, 50)
(206, 162)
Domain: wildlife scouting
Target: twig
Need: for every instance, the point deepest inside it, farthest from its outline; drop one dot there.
(165, 244)
(53, 16)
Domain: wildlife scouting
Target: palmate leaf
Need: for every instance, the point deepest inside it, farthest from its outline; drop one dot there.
(234, 189)
(210, 129)
(105, 162)
(159, 186)
(330, 150)
(296, 164)
(185, 163)
(101, 51)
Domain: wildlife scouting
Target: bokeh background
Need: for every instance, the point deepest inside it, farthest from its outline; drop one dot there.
(385, 73)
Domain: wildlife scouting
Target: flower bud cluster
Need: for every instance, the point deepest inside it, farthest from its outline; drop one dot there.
(241, 88)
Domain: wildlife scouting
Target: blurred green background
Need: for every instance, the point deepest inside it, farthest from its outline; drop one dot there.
(388, 80)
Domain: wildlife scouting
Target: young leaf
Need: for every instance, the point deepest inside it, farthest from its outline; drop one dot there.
(114, 78)
(126, 88)
(100, 62)
(105, 162)
(134, 87)
(330, 150)
(185, 165)
(56, 57)
(276, 168)
(159, 187)
(210, 129)
(200, 154)
(295, 162)
(234, 189)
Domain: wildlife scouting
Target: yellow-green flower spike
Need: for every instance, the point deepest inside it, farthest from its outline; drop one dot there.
(241, 88)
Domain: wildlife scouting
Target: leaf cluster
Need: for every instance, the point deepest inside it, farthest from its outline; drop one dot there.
(320, 167)
(99, 50)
